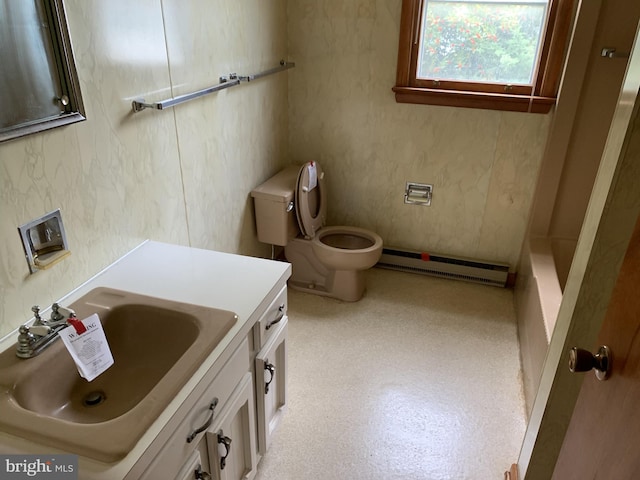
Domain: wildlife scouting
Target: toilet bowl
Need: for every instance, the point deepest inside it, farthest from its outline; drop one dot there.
(347, 248)
(330, 261)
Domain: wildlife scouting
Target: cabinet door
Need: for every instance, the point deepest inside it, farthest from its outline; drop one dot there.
(231, 442)
(271, 385)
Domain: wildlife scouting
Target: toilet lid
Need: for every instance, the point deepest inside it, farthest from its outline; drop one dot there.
(311, 207)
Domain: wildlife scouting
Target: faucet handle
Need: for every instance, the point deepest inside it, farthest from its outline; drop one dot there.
(56, 316)
(40, 330)
(59, 314)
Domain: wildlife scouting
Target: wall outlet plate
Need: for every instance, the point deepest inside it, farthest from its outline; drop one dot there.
(44, 241)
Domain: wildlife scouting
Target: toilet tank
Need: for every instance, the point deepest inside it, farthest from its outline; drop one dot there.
(275, 219)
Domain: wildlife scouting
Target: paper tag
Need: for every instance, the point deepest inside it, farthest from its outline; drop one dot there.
(313, 176)
(90, 349)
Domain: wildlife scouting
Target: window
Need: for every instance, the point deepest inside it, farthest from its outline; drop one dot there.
(495, 54)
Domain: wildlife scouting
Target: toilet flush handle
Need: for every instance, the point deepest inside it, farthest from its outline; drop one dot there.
(289, 207)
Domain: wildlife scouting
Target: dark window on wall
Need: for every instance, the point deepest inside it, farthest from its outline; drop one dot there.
(494, 54)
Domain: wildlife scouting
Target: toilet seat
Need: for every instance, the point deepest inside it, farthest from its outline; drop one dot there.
(310, 199)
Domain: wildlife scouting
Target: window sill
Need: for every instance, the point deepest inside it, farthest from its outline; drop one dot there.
(489, 101)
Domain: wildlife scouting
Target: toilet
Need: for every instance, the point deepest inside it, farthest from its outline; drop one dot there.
(291, 211)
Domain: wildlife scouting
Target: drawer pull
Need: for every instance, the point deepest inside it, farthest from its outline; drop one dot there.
(206, 425)
(224, 442)
(277, 319)
(200, 474)
(272, 370)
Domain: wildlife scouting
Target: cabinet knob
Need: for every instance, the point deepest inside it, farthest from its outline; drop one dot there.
(212, 407)
(200, 474)
(224, 447)
(278, 319)
(269, 367)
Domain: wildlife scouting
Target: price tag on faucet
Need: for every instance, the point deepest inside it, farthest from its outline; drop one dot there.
(89, 350)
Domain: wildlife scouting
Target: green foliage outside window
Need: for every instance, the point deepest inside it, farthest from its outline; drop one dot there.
(480, 42)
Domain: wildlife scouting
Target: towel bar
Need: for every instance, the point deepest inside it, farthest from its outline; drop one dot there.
(225, 82)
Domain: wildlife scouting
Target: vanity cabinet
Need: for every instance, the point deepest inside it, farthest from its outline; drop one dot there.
(222, 432)
(190, 450)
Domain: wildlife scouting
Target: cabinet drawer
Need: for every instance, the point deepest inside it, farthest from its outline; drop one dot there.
(271, 385)
(266, 326)
(197, 414)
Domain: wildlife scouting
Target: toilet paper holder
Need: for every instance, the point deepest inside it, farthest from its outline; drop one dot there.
(44, 241)
(418, 193)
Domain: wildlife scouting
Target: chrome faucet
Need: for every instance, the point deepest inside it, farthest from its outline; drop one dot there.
(35, 338)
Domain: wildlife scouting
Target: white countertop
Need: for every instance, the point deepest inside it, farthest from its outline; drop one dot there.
(244, 285)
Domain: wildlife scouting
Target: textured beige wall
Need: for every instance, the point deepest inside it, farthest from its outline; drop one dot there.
(342, 113)
(180, 176)
(234, 141)
(184, 175)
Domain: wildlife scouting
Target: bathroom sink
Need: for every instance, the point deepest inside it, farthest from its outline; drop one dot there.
(156, 344)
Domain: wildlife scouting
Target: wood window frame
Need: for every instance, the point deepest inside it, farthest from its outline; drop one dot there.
(539, 98)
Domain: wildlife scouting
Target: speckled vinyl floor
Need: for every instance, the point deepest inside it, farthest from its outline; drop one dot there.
(418, 380)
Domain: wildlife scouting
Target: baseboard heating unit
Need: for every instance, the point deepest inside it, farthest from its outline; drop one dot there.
(446, 266)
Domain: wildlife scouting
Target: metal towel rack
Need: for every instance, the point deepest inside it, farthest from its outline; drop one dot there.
(224, 82)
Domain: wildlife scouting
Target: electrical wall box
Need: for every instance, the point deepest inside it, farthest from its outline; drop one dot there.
(44, 241)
